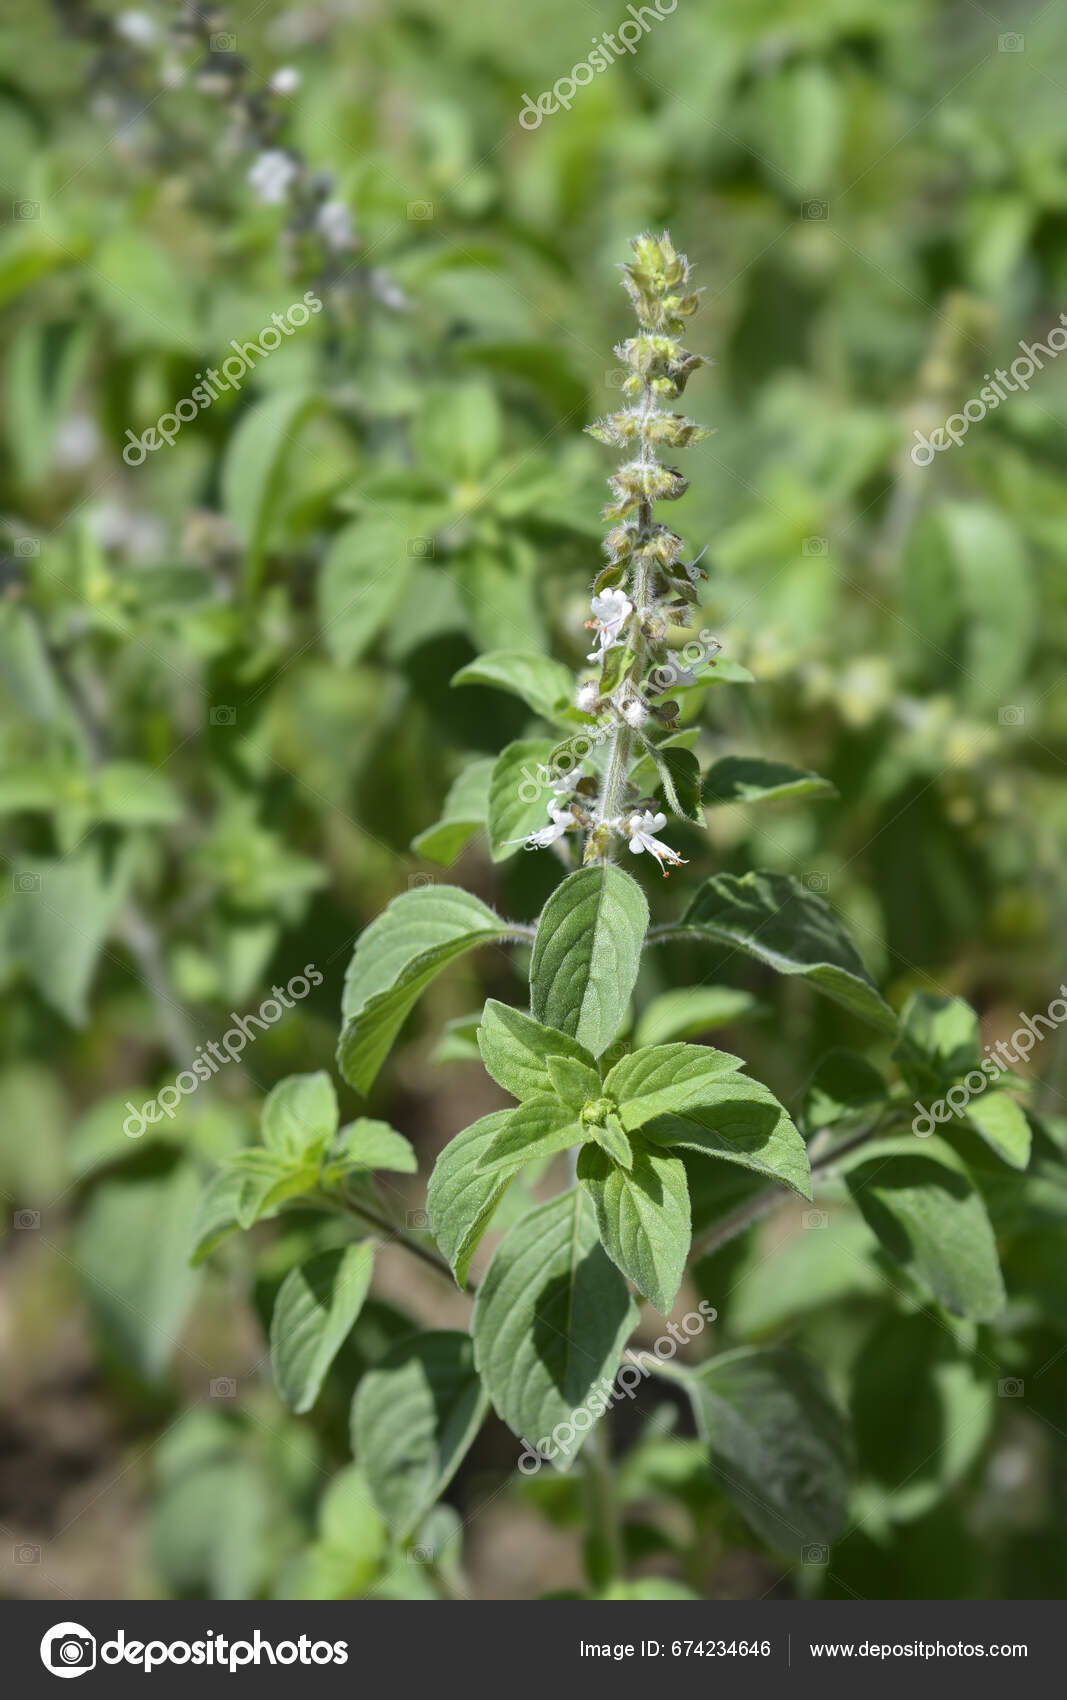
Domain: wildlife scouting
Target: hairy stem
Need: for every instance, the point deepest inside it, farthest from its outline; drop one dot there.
(600, 1497)
(391, 1231)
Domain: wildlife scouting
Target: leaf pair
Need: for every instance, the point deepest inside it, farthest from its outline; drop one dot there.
(301, 1153)
(678, 1095)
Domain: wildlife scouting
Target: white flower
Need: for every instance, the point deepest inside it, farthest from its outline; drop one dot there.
(588, 696)
(635, 713)
(137, 28)
(333, 221)
(76, 442)
(271, 176)
(611, 610)
(693, 569)
(388, 292)
(285, 81)
(562, 820)
(641, 829)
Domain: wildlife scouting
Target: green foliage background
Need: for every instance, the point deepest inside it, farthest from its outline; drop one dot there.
(225, 713)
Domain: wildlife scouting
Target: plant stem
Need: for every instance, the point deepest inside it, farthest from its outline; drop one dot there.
(391, 1232)
(145, 946)
(600, 1497)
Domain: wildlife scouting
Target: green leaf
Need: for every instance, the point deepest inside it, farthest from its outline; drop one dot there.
(747, 779)
(540, 1127)
(665, 1078)
(938, 1041)
(414, 1418)
(466, 810)
(643, 1217)
(300, 1115)
(516, 1050)
(742, 1122)
(574, 1083)
(419, 933)
(991, 608)
(679, 773)
(128, 794)
(347, 1557)
(59, 918)
(499, 592)
(610, 1135)
(131, 1253)
(252, 481)
(138, 283)
(267, 1181)
(586, 954)
(37, 785)
(518, 800)
(780, 922)
(461, 1198)
(723, 671)
(844, 1088)
(545, 685)
(215, 1216)
(550, 1321)
(809, 1272)
(316, 1306)
(365, 576)
(685, 1014)
(777, 1444)
(546, 367)
(458, 429)
(45, 363)
(927, 1215)
(921, 1411)
(1002, 1123)
(367, 1144)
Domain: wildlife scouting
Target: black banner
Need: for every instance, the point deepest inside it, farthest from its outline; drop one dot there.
(229, 1648)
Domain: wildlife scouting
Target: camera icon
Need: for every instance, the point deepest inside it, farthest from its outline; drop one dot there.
(817, 881)
(1010, 43)
(814, 546)
(815, 1555)
(27, 1554)
(223, 715)
(25, 209)
(27, 1219)
(815, 209)
(421, 1555)
(815, 1219)
(616, 1051)
(25, 547)
(68, 1649)
(420, 210)
(224, 42)
(1011, 715)
(1010, 1388)
(417, 1219)
(420, 547)
(25, 882)
(418, 882)
(223, 1387)
(616, 377)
